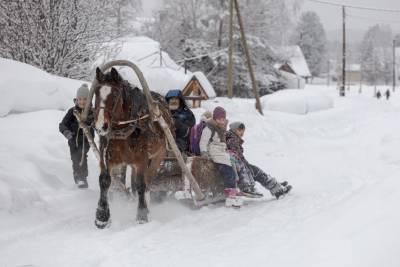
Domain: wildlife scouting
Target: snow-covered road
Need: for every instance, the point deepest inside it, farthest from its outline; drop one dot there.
(344, 164)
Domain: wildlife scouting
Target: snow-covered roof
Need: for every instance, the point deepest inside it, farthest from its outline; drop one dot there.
(145, 52)
(296, 60)
(353, 67)
(205, 83)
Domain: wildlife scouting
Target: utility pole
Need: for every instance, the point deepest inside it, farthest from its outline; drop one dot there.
(394, 65)
(185, 65)
(342, 88)
(328, 79)
(161, 59)
(249, 63)
(230, 62)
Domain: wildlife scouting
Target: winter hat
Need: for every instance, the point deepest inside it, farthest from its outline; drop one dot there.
(83, 91)
(219, 113)
(236, 125)
(206, 116)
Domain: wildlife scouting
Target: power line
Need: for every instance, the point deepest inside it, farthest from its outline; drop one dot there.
(369, 19)
(355, 7)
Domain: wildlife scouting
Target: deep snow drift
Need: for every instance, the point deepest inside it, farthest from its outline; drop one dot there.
(26, 88)
(344, 164)
(298, 101)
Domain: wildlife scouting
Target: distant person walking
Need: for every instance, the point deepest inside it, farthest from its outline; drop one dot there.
(378, 95)
(387, 94)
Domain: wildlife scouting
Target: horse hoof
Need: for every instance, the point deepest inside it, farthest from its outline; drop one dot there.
(142, 216)
(102, 217)
(101, 224)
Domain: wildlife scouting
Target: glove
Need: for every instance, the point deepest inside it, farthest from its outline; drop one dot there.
(68, 134)
(71, 143)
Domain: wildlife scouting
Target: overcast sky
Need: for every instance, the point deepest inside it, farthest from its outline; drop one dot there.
(358, 19)
(331, 16)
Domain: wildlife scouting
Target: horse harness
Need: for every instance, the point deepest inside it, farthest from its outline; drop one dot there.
(130, 126)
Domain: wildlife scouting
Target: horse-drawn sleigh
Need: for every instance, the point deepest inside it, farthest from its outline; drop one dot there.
(135, 129)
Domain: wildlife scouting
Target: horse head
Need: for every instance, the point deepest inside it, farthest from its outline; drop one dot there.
(109, 106)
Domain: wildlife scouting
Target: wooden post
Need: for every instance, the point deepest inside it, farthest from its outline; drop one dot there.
(185, 65)
(230, 62)
(89, 136)
(394, 65)
(342, 88)
(249, 63)
(328, 79)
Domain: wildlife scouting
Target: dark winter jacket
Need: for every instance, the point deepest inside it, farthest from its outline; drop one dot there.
(235, 144)
(70, 123)
(184, 120)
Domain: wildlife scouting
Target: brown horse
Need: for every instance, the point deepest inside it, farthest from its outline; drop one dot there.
(128, 136)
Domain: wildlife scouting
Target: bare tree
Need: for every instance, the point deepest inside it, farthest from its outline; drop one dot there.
(59, 36)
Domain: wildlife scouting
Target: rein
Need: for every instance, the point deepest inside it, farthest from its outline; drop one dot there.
(124, 133)
(132, 121)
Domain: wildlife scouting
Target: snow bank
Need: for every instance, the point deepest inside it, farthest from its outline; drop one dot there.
(34, 159)
(161, 75)
(297, 101)
(26, 88)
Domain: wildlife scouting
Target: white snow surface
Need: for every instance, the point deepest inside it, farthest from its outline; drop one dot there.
(344, 164)
(25, 88)
(298, 101)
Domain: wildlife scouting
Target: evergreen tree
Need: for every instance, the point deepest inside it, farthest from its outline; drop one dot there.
(376, 55)
(310, 36)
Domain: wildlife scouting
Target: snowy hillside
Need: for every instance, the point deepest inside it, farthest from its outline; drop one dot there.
(343, 162)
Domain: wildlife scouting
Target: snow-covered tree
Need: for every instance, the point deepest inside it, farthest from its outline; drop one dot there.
(59, 36)
(121, 14)
(189, 28)
(376, 55)
(310, 36)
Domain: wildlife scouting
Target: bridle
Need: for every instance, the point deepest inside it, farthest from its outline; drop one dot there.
(129, 125)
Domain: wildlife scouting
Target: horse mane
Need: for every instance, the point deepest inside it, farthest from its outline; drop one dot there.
(135, 99)
(134, 95)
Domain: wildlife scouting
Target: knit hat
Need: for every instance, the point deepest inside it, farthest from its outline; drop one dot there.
(237, 125)
(219, 113)
(83, 91)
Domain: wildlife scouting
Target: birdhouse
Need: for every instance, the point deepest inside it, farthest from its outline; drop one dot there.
(198, 89)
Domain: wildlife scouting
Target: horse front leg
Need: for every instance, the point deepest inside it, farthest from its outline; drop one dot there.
(103, 209)
(141, 187)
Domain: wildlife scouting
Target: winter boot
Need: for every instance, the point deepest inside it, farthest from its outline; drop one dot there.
(284, 183)
(76, 178)
(232, 198)
(82, 183)
(278, 190)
